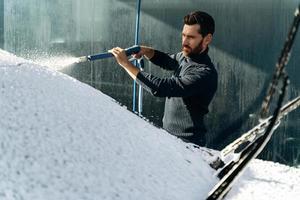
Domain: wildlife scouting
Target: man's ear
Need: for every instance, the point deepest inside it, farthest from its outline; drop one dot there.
(207, 39)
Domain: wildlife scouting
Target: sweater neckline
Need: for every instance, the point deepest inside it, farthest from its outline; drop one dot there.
(199, 57)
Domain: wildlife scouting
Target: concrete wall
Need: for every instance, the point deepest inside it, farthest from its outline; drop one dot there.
(248, 40)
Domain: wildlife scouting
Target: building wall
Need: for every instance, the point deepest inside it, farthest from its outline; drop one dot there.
(248, 40)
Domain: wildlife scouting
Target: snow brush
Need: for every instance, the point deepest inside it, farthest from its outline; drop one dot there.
(131, 50)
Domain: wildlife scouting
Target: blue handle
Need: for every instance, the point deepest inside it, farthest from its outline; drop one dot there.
(128, 51)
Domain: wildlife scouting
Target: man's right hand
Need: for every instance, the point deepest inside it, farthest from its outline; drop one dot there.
(148, 52)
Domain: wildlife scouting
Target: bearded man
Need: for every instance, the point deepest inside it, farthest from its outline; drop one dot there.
(193, 84)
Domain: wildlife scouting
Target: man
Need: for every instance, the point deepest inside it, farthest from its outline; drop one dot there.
(194, 82)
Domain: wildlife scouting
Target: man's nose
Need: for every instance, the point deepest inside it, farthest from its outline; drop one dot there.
(185, 41)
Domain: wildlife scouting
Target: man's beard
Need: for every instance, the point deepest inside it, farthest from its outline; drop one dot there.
(187, 50)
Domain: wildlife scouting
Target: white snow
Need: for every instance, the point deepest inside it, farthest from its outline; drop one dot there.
(267, 180)
(62, 139)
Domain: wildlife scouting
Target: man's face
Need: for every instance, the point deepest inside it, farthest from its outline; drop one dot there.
(192, 40)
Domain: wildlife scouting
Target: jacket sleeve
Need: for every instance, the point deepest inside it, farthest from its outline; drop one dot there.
(195, 81)
(165, 61)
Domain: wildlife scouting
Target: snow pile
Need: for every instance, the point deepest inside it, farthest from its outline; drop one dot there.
(265, 180)
(62, 139)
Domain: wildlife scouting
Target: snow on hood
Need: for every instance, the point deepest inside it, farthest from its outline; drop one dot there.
(62, 139)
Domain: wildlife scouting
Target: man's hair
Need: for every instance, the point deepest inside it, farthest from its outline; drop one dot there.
(206, 22)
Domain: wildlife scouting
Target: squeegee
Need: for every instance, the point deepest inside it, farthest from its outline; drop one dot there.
(131, 50)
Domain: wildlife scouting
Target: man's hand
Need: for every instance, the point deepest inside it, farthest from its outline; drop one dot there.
(122, 59)
(148, 52)
(120, 56)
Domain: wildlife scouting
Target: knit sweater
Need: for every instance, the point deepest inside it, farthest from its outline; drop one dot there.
(188, 92)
